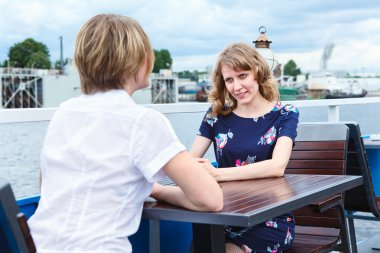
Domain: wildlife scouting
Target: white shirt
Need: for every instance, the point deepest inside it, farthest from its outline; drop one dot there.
(100, 158)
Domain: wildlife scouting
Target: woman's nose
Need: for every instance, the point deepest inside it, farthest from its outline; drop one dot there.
(237, 85)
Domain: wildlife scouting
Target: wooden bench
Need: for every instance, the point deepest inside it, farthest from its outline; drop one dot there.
(362, 198)
(320, 148)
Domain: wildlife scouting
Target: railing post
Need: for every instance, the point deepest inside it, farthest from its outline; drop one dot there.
(333, 113)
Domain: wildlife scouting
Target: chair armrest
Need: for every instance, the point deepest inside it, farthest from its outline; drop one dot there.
(326, 204)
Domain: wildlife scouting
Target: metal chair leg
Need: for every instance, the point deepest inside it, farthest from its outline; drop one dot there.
(351, 228)
(346, 242)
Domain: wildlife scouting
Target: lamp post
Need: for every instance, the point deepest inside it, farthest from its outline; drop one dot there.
(262, 45)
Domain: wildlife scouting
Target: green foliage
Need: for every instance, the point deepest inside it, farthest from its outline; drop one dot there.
(4, 64)
(163, 60)
(29, 54)
(291, 69)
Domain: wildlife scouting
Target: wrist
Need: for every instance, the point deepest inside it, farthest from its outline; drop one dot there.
(220, 175)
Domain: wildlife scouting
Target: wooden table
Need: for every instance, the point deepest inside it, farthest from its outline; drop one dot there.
(249, 202)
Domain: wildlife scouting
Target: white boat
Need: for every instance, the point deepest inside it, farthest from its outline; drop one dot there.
(328, 85)
(325, 84)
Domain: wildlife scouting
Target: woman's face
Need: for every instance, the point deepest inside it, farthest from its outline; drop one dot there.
(240, 84)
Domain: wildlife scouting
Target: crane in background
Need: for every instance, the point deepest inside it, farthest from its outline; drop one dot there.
(326, 55)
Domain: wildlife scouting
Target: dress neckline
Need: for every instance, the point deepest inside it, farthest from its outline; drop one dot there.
(275, 108)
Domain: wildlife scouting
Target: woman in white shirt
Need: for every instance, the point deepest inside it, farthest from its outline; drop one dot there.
(103, 153)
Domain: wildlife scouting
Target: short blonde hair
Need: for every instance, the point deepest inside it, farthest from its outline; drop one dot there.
(108, 49)
(240, 56)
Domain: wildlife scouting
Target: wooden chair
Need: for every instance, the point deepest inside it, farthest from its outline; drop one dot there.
(320, 148)
(14, 231)
(362, 198)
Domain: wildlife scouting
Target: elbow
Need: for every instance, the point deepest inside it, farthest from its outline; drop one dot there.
(280, 169)
(280, 173)
(214, 206)
(218, 205)
(211, 204)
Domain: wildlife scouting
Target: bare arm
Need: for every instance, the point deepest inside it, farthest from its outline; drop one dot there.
(200, 146)
(274, 167)
(197, 189)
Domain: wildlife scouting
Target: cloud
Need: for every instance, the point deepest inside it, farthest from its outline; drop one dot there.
(195, 31)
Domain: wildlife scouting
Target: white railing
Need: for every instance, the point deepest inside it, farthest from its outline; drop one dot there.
(45, 114)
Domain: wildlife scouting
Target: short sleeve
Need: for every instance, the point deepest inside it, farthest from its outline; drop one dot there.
(154, 144)
(207, 126)
(289, 121)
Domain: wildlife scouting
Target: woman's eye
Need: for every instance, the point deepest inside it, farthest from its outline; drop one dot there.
(228, 80)
(243, 75)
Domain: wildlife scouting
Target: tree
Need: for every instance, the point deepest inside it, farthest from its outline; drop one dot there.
(163, 60)
(4, 64)
(291, 69)
(29, 54)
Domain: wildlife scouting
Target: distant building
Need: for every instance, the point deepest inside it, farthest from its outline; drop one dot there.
(37, 88)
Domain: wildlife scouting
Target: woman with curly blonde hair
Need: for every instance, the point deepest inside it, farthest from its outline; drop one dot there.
(252, 135)
(235, 56)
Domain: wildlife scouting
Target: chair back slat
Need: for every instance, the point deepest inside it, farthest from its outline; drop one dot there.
(317, 154)
(319, 149)
(316, 164)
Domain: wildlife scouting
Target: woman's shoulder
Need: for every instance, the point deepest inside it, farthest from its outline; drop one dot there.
(288, 109)
(209, 117)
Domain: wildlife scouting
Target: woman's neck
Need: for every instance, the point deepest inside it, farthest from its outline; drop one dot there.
(259, 107)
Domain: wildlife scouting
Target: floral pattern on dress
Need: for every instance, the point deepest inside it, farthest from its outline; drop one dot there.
(274, 249)
(288, 238)
(246, 249)
(271, 223)
(221, 141)
(289, 108)
(211, 120)
(249, 160)
(268, 138)
(276, 107)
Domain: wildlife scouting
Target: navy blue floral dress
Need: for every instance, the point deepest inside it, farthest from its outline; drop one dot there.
(239, 141)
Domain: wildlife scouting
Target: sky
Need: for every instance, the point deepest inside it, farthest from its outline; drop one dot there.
(195, 31)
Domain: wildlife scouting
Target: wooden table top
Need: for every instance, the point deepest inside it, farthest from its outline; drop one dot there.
(249, 202)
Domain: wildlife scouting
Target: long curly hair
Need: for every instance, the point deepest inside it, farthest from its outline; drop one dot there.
(240, 56)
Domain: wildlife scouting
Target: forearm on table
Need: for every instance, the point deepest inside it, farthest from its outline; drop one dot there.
(175, 196)
(274, 167)
(263, 169)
